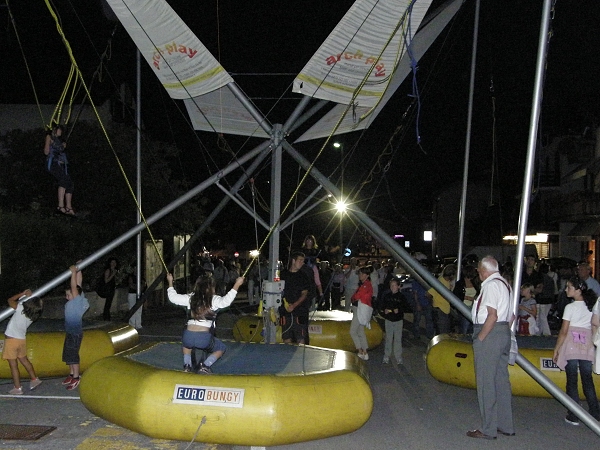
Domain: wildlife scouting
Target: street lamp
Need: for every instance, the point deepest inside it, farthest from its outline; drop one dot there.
(340, 147)
(341, 204)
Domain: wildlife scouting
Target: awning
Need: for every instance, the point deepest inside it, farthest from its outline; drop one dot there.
(585, 231)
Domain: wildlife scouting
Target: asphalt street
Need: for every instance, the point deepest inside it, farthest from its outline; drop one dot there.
(411, 410)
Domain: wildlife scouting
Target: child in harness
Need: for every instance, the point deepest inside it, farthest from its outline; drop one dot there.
(203, 304)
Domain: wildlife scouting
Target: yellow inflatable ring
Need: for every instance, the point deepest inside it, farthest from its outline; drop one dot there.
(329, 329)
(44, 349)
(265, 409)
(450, 360)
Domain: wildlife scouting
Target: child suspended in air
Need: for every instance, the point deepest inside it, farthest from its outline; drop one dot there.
(57, 165)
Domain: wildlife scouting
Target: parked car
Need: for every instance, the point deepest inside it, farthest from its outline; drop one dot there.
(560, 262)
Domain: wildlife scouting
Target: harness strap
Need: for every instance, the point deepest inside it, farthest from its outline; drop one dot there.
(481, 296)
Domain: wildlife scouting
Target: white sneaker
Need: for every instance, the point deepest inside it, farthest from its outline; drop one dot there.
(16, 391)
(366, 356)
(386, 360)
(34, 383)
(571, 421)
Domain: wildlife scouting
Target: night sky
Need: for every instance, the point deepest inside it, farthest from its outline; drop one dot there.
(256, 38)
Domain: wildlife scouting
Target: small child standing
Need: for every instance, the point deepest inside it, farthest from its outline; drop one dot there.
(75, 308)
(528, 311)
(15, 345)
(393, 306)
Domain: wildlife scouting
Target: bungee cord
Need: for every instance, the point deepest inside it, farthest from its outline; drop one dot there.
(77, 72)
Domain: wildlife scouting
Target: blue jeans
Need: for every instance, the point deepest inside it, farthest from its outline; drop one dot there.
(427, 312)
(466, 327)
(585, 369)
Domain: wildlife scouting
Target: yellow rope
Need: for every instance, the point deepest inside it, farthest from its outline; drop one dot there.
(401, 24)
(75, 70)
(57, 113)
(324, 146)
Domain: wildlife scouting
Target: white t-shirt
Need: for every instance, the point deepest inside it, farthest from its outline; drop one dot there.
(218, 302)
(578, 315)
(18, 324)
(596, 308)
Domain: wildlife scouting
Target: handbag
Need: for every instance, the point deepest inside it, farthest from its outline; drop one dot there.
(102, 289)
(364, 313)
(514, 349)
(533, 328)
(597, 355)
(597, 338)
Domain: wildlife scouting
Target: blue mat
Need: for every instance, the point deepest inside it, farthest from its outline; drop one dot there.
(245, 359)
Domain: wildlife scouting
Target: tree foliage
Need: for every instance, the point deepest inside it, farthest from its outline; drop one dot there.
(37, 244)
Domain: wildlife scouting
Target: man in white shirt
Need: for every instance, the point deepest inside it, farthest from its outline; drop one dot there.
(584, 272)
(491, 314)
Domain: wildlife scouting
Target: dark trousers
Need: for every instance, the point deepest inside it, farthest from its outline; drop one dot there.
(427, 312)
(493, 383)
(442, 321)
(585, 369)
(107, 305)
(336, 299)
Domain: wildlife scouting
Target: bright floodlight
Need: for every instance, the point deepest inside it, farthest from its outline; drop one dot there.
(254, 253)
(341, 206)
(337, 144)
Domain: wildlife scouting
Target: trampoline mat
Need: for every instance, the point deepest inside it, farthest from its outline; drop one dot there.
(245, 358)
(23, 432)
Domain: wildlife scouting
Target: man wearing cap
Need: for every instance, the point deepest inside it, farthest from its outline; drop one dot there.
(530, 275)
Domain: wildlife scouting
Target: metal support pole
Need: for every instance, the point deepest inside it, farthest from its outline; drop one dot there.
(243, 205)
(311, 112)
(269, 327)
(531, 142)
(209, 220)
(296, 215)
(138, 173)
(293, 119)
(262, 121)
(463, 199)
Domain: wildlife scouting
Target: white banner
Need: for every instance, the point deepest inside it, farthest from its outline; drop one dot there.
(220, 111)
(180, 61)
(370, 36)
(358, 118)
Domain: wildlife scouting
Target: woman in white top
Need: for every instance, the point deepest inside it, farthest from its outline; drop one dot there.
(574, 347)
(203, 304)
(15, 344)
(595, 334)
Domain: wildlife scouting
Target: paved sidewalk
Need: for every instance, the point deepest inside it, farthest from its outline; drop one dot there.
(411, 410)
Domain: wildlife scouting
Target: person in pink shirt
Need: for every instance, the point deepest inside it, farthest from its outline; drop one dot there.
(363, 294)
